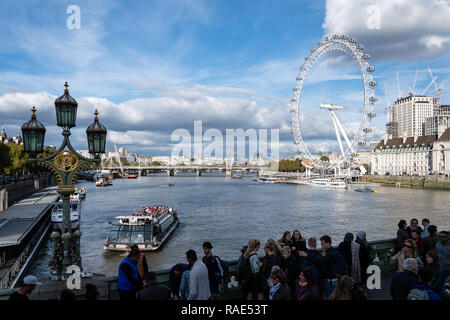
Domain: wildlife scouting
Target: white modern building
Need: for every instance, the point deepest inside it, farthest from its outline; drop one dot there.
(409, 114)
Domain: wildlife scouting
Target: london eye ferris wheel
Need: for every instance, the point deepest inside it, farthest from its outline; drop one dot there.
(333, 101)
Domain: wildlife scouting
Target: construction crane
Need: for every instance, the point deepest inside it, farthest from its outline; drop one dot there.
(438, 87)
(413, 90)
(399, 92)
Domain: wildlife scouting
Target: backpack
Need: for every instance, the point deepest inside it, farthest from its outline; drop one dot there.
(418, 294)
(340, 267)
(244, 270)
(445, 293)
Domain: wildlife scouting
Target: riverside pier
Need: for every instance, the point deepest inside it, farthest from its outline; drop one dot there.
(23, 228)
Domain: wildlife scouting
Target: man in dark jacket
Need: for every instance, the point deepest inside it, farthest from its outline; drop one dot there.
(175, 274)
(216, 273)
(153, 290)
(403, 281)
(328, 263)
(430, 241)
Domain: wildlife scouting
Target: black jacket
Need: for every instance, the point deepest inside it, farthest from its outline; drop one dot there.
(345, 248)
(364, 259)
(268, 262)
(402, 235)
(290, 267)
(283, 293)
(326, 263)
(401, 284)
(175, 280)
(154, 291)
(299, 246)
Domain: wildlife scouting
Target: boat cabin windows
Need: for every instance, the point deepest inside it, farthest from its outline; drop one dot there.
(130, 234)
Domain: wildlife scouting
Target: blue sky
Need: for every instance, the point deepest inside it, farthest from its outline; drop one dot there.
(153, 66)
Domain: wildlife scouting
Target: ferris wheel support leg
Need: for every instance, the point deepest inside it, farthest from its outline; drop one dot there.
(337, 133)
(343, 131)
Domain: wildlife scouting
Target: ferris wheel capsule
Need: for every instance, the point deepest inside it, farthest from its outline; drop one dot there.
(367, 130)
(327, 38)
(373, 99)
(359, 47)
(352, 40)
(366, 56)
(344, 37)
(370, 69)
(319, 44)
(372, 83)
(295, 89)
(299, 78)
(335, 36)
(361, 143)
(293, 100)
(371, 115)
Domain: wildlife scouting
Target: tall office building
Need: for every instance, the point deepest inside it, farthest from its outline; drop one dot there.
(409, 115)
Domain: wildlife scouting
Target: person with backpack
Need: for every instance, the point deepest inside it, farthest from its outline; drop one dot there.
(423, 290)
(216, 273)
(249, 270)
(331, 264)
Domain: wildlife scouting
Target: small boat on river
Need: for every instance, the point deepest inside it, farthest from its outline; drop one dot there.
(57, 214)
(148, 228)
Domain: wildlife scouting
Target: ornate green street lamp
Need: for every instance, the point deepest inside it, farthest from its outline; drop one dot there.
(65, 164)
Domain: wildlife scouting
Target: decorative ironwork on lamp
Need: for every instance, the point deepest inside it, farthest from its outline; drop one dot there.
(66, 110)
(96, 135)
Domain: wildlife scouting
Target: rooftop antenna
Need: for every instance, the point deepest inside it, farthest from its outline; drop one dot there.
(398, 86)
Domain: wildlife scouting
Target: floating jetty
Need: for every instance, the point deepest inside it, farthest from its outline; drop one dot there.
(23, 228)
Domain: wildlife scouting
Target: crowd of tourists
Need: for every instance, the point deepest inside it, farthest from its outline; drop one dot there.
(293, 268)
(153, 211)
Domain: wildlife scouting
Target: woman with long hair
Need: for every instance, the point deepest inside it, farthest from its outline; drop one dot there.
(409, 251)
(285, 240)
(343, 289)
(298, 243)
(306, 288)
(270, 262)
(402, 235)
(432, 261)
(255, 283)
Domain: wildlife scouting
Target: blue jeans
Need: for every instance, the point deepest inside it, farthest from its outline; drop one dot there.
(329, 285)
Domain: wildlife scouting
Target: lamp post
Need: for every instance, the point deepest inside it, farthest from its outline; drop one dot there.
(64, 164)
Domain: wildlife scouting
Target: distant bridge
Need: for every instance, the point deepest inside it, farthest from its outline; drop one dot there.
(143, 170)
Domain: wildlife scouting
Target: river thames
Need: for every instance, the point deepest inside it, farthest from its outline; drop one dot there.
(228, 212)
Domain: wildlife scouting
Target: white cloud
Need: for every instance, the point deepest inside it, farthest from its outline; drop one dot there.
(408, 29)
